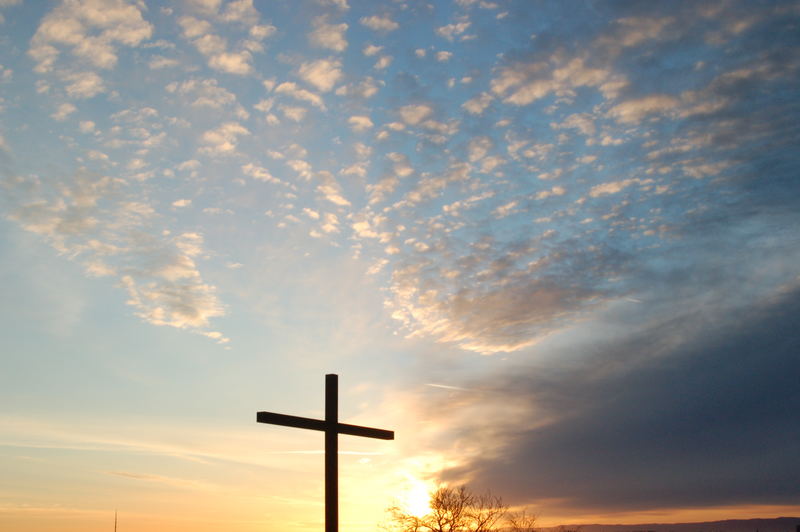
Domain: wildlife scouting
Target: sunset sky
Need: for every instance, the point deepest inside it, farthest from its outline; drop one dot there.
(553, 245)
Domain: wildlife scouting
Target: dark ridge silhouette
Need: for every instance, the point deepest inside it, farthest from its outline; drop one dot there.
(778, 524)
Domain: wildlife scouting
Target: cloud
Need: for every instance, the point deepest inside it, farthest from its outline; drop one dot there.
(215, 48)
(612, 187)
(83, 85)
(360, 123)
(383, 62)
(296, 114)
(182, 301)
(413, 114)
(371, 49)
(194, 27)
(478, 104)
(331, 190)
(232, 62)
(366, 88)
(583, 122)
(63, 111)
(443, 56)
(506, 318)
(322, 73)
(259, 173)
(203, 93)
(451, 31)
(330, 36)
(633, 111)
(90, 219)
(478, 147)
(91, 30)
(378, 23)
(524, 83)
(222, 140)
(291, 89)
(158, 61)
(687, 401)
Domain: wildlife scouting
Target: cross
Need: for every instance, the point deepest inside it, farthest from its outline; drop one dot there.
(332, 428)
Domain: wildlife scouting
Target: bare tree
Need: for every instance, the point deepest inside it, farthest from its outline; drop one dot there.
(521, 522)
(453, 510)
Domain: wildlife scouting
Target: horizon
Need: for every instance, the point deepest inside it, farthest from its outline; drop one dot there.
(553, 246)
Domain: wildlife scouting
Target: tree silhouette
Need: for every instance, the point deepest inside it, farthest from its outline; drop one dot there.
(460, 510)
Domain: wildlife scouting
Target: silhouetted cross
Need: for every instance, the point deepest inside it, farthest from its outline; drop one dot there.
(332, 428)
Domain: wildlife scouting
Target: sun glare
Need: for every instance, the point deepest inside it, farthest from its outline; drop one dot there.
(416, 497)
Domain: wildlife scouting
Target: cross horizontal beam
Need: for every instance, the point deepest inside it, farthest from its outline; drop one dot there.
(321, 425)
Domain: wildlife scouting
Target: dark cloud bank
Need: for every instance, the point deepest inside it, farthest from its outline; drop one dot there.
(692, 412)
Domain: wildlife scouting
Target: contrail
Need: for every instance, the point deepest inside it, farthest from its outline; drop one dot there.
(446, 387)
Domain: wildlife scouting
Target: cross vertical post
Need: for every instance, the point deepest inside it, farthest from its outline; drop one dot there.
(332, 428)
(331, 453)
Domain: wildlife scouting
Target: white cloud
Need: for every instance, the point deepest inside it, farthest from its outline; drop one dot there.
(158, 61)
(383, 62)
(181, 203)
(554, 191)
(207, 7)
(232, 62)
(413, 114)
(222, 140)
(188, 304)
(203, 93)
(633, 111)
(241, 11)
(91, 30)
(296, 114)
(194, 27)
(371, 49)
(378, 23)
(360, 123)
(90, 220)
(330, 189)
(583, 122)
(215, 48)
(450, 31)
(262, 31)
(478, 148)
(259, 173)
(303, 168)
(330, 223)
(84, 85)
(478, 104)
(96, 155)
(63, 111)
(339, 4)
(402, 166)
(366, 88)
(612, 187)
(528, 82)
(191, 164)
(291, 89)
(443, 56)
(330, 36)
(322, 73)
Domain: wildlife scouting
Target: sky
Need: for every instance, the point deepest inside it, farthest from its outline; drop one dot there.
(553, 245)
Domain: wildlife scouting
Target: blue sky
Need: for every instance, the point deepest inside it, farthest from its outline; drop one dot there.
(553, 245)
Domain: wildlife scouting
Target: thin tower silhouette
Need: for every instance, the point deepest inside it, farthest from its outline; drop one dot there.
(115, 520)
